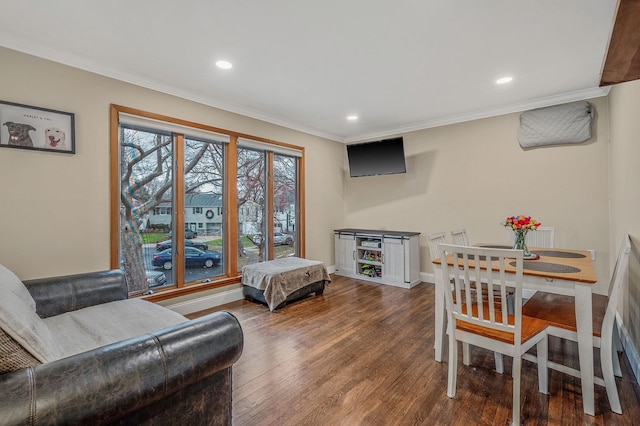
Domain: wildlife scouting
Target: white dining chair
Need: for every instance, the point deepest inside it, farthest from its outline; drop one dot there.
(544, 236)
(479, 317)
(559, 312)
(459, 237)
(435, 239)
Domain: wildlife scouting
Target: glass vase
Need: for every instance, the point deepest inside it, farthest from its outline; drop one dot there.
(519, 243)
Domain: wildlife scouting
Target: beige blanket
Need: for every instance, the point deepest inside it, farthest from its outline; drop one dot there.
(281, 277)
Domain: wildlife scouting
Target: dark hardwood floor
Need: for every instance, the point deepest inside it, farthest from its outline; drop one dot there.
(362, 354)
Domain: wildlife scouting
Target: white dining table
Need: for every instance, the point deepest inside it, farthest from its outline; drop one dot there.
(560, 271)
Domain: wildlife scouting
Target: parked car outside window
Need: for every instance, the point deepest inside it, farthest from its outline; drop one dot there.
(280, 239)
(166, 244)
(192, 256)
(156, 278)
(188, 233)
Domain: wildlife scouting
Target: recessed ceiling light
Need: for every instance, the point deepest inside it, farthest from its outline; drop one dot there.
(225, 65)
(352, 117)
(504, 80)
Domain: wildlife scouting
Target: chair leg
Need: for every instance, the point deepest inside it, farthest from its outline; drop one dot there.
(499, 362)
(517, 367)
(453, 366)
(606, 362)
(542, 354)
(466, 353)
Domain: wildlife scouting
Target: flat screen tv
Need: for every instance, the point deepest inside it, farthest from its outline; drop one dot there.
(383, 157)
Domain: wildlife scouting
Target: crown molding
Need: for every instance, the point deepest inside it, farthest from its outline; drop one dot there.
(79, 62)
(82, 63)
(578, 95)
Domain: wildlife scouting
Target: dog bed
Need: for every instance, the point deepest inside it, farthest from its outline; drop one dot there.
(280, 281)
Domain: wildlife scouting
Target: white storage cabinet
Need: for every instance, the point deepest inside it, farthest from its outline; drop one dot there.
(346, 254)
(388, 257)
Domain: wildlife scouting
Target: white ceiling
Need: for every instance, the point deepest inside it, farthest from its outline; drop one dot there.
(399, 65)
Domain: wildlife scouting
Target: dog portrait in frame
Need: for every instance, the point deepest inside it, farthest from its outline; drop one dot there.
(35, 128)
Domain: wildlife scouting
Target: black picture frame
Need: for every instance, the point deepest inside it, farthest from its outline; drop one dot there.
(35, 128)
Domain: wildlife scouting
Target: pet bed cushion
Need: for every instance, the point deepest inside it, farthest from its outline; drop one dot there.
(255, 295)
(281, 277)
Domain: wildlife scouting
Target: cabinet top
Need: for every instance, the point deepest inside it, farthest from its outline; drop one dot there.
(375, 232)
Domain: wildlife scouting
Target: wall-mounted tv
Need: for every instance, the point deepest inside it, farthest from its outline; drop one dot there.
(383, 157)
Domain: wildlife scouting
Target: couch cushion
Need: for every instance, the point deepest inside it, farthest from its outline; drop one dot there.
(9, 281)
(20, 321)
(99, 325)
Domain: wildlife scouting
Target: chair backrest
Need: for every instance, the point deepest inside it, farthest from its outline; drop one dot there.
(435, 239)
(459, 237)
(485, 303)
(544, 236)
(615, 285)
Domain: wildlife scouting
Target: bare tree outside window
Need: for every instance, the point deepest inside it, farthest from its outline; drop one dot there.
(203, 188)
(285, 205)
(251, 181)
(147, 181)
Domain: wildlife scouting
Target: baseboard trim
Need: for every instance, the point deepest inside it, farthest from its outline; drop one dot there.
(207, 302)
(427, 278)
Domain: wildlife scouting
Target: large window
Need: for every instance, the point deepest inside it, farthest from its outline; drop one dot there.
(285, 205)
(251, 183)
(203, 195)
(267, 198)
(167, 172)
(146, 201)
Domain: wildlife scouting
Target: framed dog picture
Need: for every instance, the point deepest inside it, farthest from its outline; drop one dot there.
(40, 129)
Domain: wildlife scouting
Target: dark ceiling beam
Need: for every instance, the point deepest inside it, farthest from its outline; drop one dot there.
(623, 56)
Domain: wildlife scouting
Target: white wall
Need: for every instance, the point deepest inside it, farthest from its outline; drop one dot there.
(54, 208)
(473, 175)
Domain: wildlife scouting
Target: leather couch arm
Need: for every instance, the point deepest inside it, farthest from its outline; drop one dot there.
(132, 379)
(57, 295)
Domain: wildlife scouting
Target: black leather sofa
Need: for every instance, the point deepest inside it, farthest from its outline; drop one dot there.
(178, 375)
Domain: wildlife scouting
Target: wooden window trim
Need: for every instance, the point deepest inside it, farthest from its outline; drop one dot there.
(231, 274)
